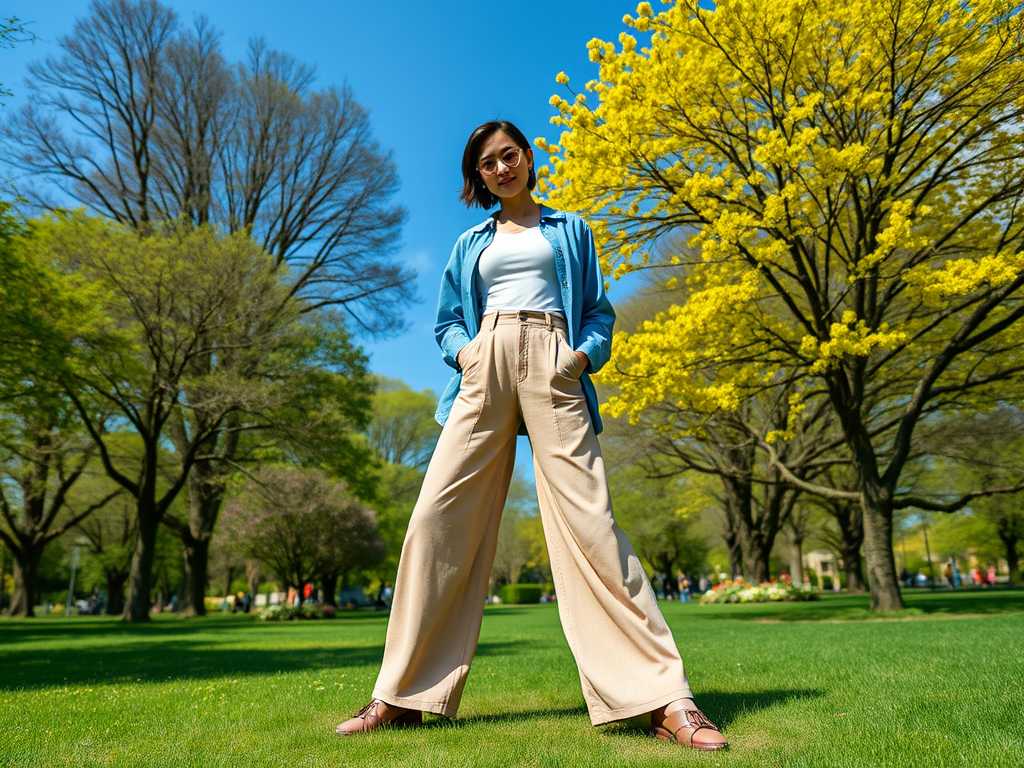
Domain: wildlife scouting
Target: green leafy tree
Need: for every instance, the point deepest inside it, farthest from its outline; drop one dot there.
(402, 433)
(168, 130)
(44, 448)
(658, 514)
(314, 408)
(43, 455)
(980, 451)
(516, 548)
(171, 300)
(109, 535)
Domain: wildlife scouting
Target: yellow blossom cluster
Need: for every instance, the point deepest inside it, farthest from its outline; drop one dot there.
(959, 277)
(850, 338)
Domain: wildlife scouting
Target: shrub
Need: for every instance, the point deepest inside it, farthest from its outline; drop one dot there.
(289, 612)
(213, 603)
(521, 593)
(740, 591)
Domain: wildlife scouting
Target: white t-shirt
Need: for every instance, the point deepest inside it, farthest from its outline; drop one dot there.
(517, 271)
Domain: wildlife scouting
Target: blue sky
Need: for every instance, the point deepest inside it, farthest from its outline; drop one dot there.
(429, 72)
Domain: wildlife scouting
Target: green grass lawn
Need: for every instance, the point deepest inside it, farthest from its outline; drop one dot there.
(811, 684)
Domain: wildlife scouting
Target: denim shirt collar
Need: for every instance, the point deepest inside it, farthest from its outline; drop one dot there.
(490, 223)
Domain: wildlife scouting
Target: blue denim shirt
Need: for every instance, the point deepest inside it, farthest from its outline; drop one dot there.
(589, 313)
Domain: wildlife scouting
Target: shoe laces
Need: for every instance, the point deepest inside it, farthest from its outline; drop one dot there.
(699, 719)
(363, 712)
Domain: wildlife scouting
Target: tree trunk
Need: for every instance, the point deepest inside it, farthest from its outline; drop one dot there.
(735, 554)
(755, 545)
(140, 577)
(196, 554)
(854, 572)
(1012, 561)
(115, 592)
(885, 590)
(229, 576)
(253, 575)
(329, 586)
(755, 532)
(3, 578)
(26, 573)
(796, 558)
(849, 515)
(756, 560)
(205, 495)
(737, 507)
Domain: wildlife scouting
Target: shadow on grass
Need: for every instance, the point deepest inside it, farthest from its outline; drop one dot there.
(723, 707)
(171, 650)
(504, 717)
(56, 629)
(858, 607)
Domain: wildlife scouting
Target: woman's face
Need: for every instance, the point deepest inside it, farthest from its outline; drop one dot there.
(507, 181)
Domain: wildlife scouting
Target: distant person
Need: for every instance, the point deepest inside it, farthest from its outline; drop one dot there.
(524, 320)
(947, 574)
(684, 588)
(990, 576)
(956, 575)
(669, 585)
(384, 593)
(906, 577)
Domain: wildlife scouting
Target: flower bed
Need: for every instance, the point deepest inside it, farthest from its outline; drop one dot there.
(289, 612)
(740, 591)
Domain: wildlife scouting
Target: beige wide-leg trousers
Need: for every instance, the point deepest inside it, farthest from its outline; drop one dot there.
(521, 368)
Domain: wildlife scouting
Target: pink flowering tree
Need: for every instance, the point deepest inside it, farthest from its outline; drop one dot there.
(304, 526)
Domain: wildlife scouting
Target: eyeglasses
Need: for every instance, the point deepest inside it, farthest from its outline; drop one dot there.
(510, 158)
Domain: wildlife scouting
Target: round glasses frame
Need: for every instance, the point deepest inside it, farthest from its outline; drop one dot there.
(510, 158)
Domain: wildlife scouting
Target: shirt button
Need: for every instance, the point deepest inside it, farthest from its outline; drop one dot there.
(565, 285)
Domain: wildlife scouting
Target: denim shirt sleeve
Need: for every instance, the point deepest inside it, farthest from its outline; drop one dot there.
(451, 330)
(597, 316)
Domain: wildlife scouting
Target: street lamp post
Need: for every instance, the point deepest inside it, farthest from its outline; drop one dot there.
(928, 554)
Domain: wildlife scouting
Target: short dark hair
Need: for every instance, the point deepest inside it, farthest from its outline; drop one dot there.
(474, 191)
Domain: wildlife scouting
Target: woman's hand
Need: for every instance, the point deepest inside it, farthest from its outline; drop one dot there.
(582, 360)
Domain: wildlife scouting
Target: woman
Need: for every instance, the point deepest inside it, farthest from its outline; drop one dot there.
(523, 319)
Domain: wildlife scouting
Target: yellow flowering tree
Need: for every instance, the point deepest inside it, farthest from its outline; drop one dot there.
(722, 444)
(850, 176)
